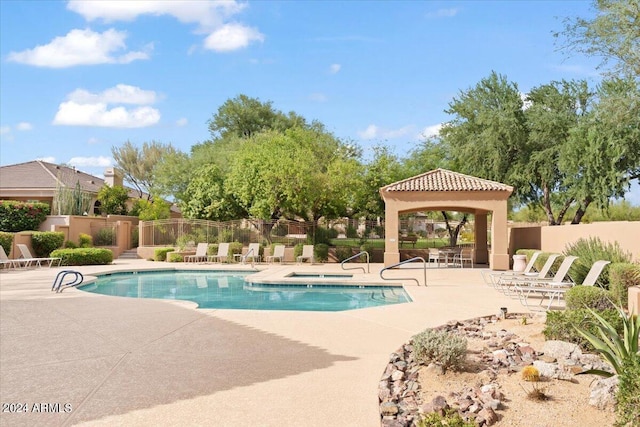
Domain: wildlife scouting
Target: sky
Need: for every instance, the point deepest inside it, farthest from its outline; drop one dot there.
(80, 77)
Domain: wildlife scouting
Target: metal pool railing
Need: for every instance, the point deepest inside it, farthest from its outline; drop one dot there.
(424, 266)
(356, 268)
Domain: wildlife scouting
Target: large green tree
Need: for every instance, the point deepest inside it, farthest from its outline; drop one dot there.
(205, 197)
(113, 200)
(613, 35)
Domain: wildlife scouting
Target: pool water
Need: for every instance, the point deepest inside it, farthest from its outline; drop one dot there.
(230, 290)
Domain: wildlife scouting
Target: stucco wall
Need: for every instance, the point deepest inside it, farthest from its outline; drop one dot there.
(556, 238)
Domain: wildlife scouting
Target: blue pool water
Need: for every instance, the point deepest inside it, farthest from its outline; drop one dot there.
(230, 290)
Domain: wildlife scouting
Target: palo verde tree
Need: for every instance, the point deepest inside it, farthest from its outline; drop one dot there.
(113, 200)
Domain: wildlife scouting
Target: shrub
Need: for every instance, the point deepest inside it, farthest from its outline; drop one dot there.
(21, 216)
(321, 252)
(44, 242)
(297, 250)
(343, 252)
(443, 348)
(321, 235)
(591, 250)
(135, 237)
(542, 259)
(560, 325)
(85, 240)
(6, 241)
(451, 418)
(351, 233)
(628, 395)
(621, 277)
(160, 254)
(105, 237)
(175, 257)
(590, 296)
(234, 248)
(225, 236)
(84, 256)
(212, 249)
(70, 245)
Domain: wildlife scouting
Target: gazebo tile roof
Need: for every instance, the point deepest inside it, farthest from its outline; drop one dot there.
(446, 180)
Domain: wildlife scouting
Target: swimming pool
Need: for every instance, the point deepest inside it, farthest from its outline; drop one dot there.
(225, 289)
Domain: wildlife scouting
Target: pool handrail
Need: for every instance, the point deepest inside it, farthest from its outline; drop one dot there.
(424, 266)
(58, 283)
(355, 256)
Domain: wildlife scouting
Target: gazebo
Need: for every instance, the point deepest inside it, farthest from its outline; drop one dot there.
(444, 190)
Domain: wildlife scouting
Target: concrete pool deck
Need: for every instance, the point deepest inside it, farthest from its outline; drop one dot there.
(121, 361)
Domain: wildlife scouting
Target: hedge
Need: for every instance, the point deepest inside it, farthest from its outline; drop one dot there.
(588, 296)
(84, 256)
(621, 277)
(175, 257)
(160, 254)
(22, 216)
(6, 241)
(45, 242)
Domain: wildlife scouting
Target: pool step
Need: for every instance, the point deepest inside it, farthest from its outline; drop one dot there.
(129, 254)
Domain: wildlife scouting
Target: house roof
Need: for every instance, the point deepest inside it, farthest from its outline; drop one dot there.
(446, 180)
(39, 175)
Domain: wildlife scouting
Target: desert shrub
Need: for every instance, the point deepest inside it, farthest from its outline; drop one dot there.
(84, 256)
(628, 395)
(105, 237)
(530, 373)
(212, 249)
(542, 259)
(234, 248)
(160, 254)
(69, 244)
(343, 252)
(135, 237)
(621, 277)
(6, 241)
(589, 296)
(560, 325)
(21, 216)
(175, 257)
(351, 232)
(321, 235)
(186, 240)
(225, 236)
(321, 252)
(85, 240)
(451, 418)
(441, 347)
(44, 242)
(297, 250)
(591, 250)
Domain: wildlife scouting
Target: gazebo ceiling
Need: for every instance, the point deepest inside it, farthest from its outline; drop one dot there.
(442, 180)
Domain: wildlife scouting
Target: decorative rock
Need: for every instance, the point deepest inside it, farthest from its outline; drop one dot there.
(438, 405)
(603, 392)
(388, 408)
(397, 375)
(548, 370)
(489, 417)
(561, 350)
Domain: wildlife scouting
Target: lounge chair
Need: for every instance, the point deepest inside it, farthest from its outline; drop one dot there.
(25, 255)
(200, 255)
(6, 261)
(551, 288)
(253, 253)
(278, 253)
(491, 278)
(222, 255)
(506, 282)
(465, 255)
(307, 253)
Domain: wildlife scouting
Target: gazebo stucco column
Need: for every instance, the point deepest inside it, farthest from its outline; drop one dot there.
(391, 219)
(499, 259)
(480, 233)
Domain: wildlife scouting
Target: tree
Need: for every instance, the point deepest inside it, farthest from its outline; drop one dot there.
(150, 210)
(613, 34)
(206, 197)
(244, 117)
(138, 164)
(113, 200)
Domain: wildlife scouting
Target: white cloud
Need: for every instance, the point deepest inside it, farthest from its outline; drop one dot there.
(430, 131)
(318, 97)
(99, 161)
(232, 37)
(4, 130)
(80, 47)
(182, 122)
(84, 108)
(210, 17)
(93, 140)
(24, 126)
(49, 159)
(119, 94)
(334, 68)
(373, 132)
(443, 13)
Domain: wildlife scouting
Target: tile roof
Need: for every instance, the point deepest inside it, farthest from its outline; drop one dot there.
(446, 180)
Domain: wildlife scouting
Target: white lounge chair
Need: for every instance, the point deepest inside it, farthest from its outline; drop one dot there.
(507, 282)
(25, 255)
(307, 253)
(278, 253)
(6, 261)
(552, 288)
(200, 255)
(222, 255)
(491, 278)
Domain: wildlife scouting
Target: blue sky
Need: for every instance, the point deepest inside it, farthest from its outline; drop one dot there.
(77, 78)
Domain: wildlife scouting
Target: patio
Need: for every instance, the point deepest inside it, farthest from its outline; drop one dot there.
(121, 361)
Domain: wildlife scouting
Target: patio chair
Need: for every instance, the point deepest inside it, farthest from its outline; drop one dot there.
(25, 255)
(506, 282)
(278, 253)
(307, 253)
(222, 255)
(201, 254)
(554, 287)
(465, 255)
(435, 255)
(253, 252)
(491, 278)
(6, 261)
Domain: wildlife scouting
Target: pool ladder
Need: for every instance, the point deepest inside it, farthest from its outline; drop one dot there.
(353, 257)
(418, 258)
(59, 283)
